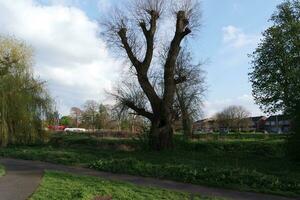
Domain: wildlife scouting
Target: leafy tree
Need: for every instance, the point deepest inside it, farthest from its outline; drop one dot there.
(66, 121)
(275, 73)
(24, 102)
(135, 32)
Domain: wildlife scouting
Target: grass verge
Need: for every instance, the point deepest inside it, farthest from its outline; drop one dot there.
(258, 165)
(56, 185)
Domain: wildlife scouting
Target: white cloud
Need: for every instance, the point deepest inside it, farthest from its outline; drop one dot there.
(246, 100)
(69, 53)
(235, 37)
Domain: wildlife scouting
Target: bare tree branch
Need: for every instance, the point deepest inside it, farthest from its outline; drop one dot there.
(135, 62)
(139, 111)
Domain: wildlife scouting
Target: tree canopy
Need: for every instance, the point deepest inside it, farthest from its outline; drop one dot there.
(275, 72)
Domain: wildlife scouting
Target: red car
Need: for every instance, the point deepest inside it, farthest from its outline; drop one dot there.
(57, 128)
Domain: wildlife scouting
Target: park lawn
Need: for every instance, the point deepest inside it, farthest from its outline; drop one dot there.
(247, 164)
(56, 185)
(2, 170)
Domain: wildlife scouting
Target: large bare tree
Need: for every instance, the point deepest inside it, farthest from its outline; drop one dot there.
(135, 32)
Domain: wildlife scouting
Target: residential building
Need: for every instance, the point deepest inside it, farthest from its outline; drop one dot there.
(257, 124)
(205, 125)
(278, 124)
(272, 124)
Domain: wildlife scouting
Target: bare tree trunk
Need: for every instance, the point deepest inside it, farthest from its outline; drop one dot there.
(161, 135)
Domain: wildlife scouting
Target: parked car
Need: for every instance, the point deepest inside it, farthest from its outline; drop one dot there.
(56, 128)
(75, 130)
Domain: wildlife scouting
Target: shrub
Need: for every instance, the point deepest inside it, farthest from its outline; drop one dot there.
(274, 148)
(293, 149)
(213, 176)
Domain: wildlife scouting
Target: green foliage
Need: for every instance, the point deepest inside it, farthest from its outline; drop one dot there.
(275, 148)
(276, 63)
(2, 170)
(69, 187)
(255, 164)
(142, 139)
(23, 99)
(276, 68)
(213, 176)
(66, 121)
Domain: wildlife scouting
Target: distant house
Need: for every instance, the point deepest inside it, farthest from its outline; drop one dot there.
(278, 124)
(205, 125)
(272, 124)
(257, 123)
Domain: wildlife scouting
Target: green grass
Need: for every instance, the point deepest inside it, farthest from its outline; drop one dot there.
(2, 170)
(246, 164)
(70, 187)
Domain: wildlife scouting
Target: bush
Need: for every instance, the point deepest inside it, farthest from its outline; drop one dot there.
(274, 148)
(218, 176)
(293, 147)
(90, 142)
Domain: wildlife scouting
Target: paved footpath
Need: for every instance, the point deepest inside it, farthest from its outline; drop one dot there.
(23, 177)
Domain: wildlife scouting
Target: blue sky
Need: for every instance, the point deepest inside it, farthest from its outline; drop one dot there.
(230, 30)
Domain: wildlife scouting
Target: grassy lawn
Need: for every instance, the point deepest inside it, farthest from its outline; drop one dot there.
(2, 170)
(247, 164)
(70, 187)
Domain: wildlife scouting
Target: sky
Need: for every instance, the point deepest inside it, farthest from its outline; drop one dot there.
(77, 65)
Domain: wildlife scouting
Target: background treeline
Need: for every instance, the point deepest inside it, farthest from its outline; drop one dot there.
(233, 118)
(97, 116)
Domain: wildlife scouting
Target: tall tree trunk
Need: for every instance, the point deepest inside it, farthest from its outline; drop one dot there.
(161, 135)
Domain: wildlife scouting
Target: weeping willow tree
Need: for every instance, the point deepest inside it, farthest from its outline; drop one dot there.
(24, 102)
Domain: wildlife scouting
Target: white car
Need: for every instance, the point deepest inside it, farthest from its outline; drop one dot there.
(75, 130)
